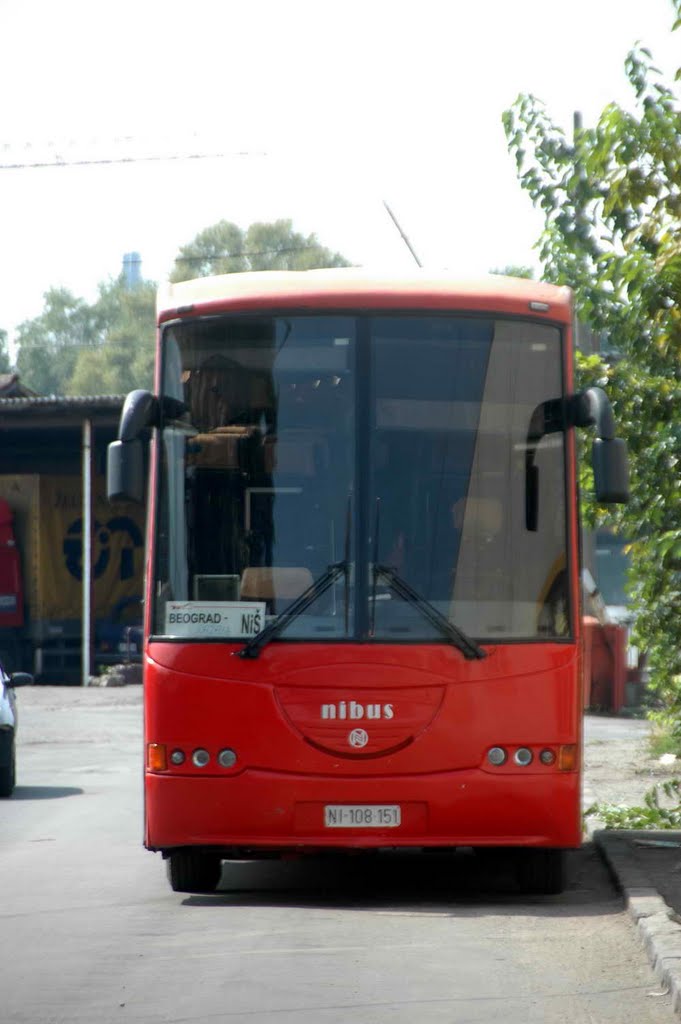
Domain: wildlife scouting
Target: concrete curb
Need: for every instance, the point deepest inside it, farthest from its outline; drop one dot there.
(658, 926)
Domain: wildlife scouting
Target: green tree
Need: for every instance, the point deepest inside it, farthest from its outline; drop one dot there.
(224, 248)
(5, 360)
(48, 346)
(107, 347)
(514, 270)
(611, 199)
(124, 357)
(77, 348)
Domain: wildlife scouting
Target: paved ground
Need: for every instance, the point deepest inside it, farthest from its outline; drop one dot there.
(645, 864)
(647, 868)
(88, 913)
(618, 769)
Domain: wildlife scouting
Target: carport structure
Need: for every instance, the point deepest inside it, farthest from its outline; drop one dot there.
(60, 436)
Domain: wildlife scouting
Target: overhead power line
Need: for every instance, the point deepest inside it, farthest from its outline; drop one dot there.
(31, 165)
(55, 155)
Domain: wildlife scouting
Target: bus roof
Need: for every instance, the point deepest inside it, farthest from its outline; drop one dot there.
(355, 288)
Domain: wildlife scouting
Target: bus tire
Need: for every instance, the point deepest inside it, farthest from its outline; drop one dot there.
(193, 871)
(8, 775)
(541, 872)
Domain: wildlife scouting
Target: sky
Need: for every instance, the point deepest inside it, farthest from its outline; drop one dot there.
(320, 113)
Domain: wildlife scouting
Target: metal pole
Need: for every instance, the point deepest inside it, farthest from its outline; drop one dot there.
(86, 626)
(404, 237)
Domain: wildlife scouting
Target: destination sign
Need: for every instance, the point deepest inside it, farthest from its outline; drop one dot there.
(220, 619)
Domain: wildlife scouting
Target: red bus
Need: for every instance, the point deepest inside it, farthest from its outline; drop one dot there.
(362, 584)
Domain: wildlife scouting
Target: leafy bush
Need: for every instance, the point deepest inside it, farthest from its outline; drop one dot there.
(662, 739)
(653, 815)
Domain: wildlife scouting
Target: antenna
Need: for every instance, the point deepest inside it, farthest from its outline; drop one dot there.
(404, 237)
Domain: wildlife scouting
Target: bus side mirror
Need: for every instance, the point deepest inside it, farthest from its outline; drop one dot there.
(125, 471)
(611, 470)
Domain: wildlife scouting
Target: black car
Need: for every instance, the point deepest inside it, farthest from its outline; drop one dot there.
(8, 727)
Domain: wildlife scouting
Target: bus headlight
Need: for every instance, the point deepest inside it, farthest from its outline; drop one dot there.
(496, 756)
(523, 757)
(200, 758)
(227, 758)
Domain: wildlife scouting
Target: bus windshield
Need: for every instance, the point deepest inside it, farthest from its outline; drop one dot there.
(393, 445)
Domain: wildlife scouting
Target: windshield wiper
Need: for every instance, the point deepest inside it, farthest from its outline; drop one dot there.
(301, 603)
(468, 647)
(308, 597)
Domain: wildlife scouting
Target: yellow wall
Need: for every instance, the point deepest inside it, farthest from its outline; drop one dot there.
(48, 527)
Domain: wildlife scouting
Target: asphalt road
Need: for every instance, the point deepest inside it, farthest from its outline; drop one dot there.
(91, 932)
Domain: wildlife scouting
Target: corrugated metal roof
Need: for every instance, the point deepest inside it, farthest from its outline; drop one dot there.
(45, 412)
(62, 403)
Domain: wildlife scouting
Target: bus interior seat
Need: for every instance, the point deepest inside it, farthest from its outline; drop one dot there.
(267, 583)
(219, 449)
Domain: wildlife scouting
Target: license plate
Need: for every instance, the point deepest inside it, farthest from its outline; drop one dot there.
(362, 816)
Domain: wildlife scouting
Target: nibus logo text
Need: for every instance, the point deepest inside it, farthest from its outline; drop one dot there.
(355, 711)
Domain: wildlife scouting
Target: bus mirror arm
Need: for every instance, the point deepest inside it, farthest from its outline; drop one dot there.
(592, 408)
(142, 410)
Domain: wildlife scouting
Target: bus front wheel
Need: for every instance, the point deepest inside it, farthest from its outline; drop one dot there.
(193, 870)
(540, 871)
